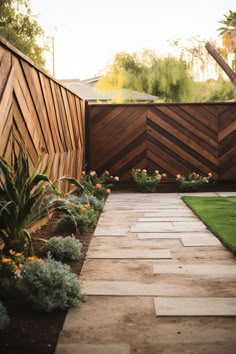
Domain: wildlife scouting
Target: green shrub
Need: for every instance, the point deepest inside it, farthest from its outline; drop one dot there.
(25, 198)
(66, 223)
(98, 185)
(49, 285)
(74, 199)
(147, 182)
(192, 182)
(62, 248)
(95, 203)
(4, 318)
(86, 220)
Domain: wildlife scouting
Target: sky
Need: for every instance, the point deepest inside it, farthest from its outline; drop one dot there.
(88, 33)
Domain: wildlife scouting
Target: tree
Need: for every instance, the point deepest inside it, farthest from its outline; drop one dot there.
(21, 29)
(228, 34)
(229, 22)
(168, 78)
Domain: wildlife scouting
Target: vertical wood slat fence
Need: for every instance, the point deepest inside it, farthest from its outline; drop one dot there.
(48, 117)
(172, 138)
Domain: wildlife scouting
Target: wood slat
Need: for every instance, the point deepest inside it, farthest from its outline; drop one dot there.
(49, 118)
(180, 138)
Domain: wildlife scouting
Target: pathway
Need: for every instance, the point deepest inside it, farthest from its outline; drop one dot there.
(157, 281)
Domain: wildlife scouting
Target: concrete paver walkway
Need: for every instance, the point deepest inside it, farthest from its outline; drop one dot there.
(157, 280)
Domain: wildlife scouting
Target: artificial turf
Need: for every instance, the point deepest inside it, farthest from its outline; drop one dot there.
(219, 214)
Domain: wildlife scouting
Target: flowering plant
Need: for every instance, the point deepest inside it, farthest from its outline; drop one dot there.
(146, 182)
(99, 186)
(10, 271)
(192, 182)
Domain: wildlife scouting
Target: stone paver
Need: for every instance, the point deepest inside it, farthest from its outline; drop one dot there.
(111, 231)
(121, 291)
(203, 270)
(129, 253)
(172, 235)
(83, 348)
(168, 218)
(167, 227)
(201, 241)
(176, 306)
(129, 288)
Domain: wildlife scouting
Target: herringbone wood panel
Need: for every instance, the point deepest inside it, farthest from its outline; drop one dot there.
(49, 118)
(172, 138)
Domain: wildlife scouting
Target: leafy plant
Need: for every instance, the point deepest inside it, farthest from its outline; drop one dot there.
(24, 199)
(98, 186)
(66, 223)
(95, 203)
(229, 22)
(192, 182)
(10, 272)
(4, 318)
(62, 248)
(49, 285)
(84, 219)
(147, 182)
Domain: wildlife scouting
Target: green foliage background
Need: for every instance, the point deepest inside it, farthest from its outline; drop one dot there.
(20, 27)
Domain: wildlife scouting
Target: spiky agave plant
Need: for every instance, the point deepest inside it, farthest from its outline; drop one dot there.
(25, 198)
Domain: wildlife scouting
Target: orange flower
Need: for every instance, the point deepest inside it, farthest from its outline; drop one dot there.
(12, 252)
(92, 173)
(98, 186)
(178, 176)
(32, 258)
(210, 174)
(18, 254)
(6, 260)
(20, 266)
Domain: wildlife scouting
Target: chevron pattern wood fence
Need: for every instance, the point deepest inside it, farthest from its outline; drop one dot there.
(49, 118)
(171, 138)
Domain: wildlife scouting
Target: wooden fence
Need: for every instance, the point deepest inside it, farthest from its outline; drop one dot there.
(172, 138)
(48, 117)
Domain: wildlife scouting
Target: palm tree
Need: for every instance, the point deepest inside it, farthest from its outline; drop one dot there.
(229, 22)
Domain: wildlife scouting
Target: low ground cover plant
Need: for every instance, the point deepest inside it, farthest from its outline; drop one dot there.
(82, 214)
(62, 248)
(192, 182)
(48, 285)
(147, 182)
(219, 214)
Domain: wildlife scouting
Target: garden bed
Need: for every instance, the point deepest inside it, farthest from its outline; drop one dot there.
(37, 332)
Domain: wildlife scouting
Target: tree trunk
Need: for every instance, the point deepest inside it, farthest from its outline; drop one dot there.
(218, 58)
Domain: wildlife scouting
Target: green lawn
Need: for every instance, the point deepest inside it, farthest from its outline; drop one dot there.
(219, 214)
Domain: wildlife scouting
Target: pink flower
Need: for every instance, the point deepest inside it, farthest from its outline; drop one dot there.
(108, 191)
(145, 171)
(83, 173)
(92, 173)
(107, 173)
(156, 172)
(210, 174)
(164, 175)
(98, 186)
(116, 178)
(178, 176)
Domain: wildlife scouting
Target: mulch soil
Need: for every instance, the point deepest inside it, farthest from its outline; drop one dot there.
(32, 332)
